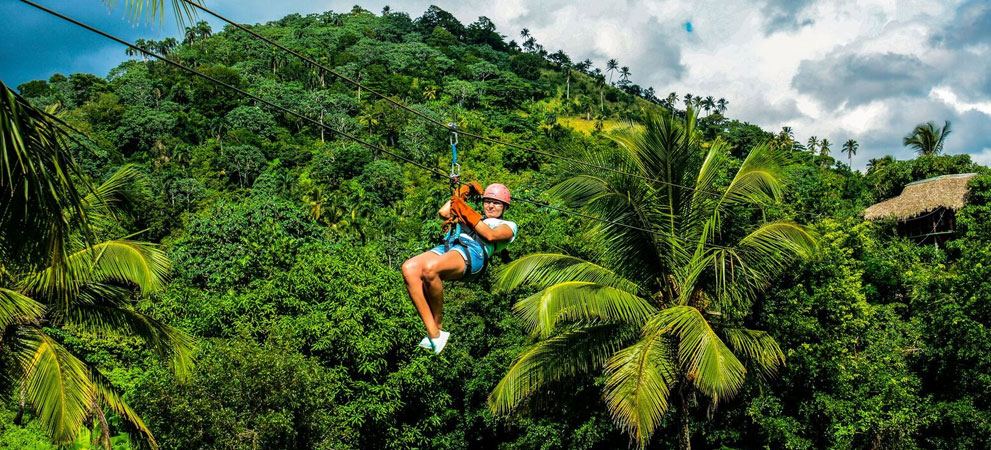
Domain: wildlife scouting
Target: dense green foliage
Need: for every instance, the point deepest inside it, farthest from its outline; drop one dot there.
(286, 243)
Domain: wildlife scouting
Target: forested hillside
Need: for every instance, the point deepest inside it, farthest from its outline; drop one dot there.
(285, 242)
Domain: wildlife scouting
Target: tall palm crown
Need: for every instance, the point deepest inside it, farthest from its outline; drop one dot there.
(850, 148)
(927, 139)
(824, 147)
(813, 144)
(611, 65)
(660, 309)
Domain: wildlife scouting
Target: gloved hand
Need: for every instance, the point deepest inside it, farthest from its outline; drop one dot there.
(464, 212)
(448, 222)
(472, 188)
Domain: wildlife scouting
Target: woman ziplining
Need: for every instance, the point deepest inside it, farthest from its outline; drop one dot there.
(472, 240)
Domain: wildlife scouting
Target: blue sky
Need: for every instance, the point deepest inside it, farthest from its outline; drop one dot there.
(868, 70)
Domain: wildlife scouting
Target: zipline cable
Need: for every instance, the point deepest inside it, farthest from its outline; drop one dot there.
(226, 85)
(432, 170)
(451, 127)
(406, 107)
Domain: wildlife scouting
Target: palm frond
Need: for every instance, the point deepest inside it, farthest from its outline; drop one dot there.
(140, 263)
(103, 202)
(118, 320)
(39, 181)
(580, 301)
(540, 270)
(580, 190)
(760, 178)
(757, 347)
(708, 362)
(571, 353)
(639, 379)
(57, 384)
(109, 395)
(774, 244)
(152, 10)
(17, 307)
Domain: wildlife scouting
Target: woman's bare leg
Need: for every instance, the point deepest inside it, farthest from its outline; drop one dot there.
(450, 266)
(413, 274)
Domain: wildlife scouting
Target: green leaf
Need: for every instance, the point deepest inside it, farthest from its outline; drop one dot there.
(17, 307)
(639, 379)
(541, 270)
(571, 353)
(57, 384)
(708, 363)
(581, 301)
(758, 347)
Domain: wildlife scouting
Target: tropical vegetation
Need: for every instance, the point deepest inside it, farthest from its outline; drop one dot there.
(187, 268)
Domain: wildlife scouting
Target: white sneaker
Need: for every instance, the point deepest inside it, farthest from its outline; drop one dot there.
(440, 341)
(425, 343)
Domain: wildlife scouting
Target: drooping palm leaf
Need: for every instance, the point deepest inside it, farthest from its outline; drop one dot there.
(758, 347)
(580, 301)
(541, 270)
(105, 318)
(113, 399)
(760, 178)
(57, 383)
(17, 307)
(571, 353)
(140, 263)
(639, 379)
(39, 181)
(774, 244)
(708, 363)
(155, 10)
(103, 203)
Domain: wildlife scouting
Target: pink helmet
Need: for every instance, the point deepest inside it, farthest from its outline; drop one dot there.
(497, 191)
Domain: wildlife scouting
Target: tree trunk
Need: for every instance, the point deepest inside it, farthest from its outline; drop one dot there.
(685, 437)
(568, 89)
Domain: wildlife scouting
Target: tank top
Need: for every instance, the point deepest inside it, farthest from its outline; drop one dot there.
(491, 248)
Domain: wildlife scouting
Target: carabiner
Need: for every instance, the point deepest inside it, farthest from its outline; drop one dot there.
(455, 167)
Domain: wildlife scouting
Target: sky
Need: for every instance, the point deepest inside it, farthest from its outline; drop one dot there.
(868, 70)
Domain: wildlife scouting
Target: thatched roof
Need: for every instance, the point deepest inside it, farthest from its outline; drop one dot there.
(920, 197)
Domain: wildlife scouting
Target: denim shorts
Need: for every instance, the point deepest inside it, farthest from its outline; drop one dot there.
(469, 249)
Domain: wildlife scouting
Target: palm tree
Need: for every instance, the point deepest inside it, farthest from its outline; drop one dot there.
(525, 33)
(624, 75)
(785, 140)
(529, 44)
(688, 100)
(662, 308)
(708, 104)
(824, 147)
(813, 144)
(721, 105)
(55, 272)
(850, 147)
(927, 139)
(611, 65)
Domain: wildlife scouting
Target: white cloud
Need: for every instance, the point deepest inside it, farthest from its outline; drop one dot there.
(750, 52)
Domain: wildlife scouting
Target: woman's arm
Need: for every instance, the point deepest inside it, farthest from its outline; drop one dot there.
(445, 211)
(501, 233)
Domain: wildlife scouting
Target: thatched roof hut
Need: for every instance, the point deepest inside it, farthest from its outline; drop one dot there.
(920, 197)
